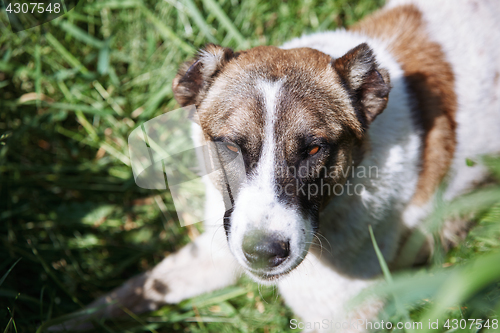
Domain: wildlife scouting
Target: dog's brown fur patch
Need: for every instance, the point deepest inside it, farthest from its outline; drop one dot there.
(311, 102)
(233, 108)
(431, 85)
(319, 99)
(370, 90)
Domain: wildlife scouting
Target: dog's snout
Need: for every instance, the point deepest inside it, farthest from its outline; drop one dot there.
(265, 251)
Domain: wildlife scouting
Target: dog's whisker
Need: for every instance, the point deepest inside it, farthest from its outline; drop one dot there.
(212, 242)
(318, 234)
(259, 285)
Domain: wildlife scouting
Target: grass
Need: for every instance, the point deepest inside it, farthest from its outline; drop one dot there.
(74, 225)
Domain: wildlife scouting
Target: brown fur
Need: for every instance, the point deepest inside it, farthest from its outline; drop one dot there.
(321, 98)
(431, 81)
(312, 102)
(371, 91)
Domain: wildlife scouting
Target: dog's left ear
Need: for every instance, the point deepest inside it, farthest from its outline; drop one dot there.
(368, 84)
(195, 76)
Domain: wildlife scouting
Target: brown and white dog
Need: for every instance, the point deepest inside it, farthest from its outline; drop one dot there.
(407, 94)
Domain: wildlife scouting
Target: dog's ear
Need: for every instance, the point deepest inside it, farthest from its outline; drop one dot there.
(368, 84)
(195, 76)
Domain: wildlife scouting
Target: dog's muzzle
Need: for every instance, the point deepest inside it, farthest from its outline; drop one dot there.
(265, 251)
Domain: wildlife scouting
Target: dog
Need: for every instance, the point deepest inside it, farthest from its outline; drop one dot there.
(408, 93)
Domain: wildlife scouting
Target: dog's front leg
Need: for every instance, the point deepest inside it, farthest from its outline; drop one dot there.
(201, 266)
(204, 265)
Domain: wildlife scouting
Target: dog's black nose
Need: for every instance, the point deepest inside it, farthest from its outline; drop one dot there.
(265, 250)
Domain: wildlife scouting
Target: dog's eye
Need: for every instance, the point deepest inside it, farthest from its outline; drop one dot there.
(232, 148)
(313, 150)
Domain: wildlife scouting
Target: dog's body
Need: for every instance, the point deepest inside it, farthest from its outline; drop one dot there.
(323, 100)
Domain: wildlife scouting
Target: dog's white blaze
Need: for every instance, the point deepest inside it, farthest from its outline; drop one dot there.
(257, 205)
(265, 169)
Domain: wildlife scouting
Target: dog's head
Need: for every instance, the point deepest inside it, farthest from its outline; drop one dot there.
(298, 119)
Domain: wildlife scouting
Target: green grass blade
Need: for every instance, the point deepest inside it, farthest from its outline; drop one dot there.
(215, 297)
(195, 14)
(53, 276)
(152, 105)
(81, 107)
(7, 273)
(462, 285)
(8, 325)
(225, 21)
(400, 309)
(71, 59)
(79, 34)
(82, 139)
(74, 316)
(380, 256)
(474, 202)
(38, 75)
(113, 4)
(103, 63)
(15, 294)
(166, 32)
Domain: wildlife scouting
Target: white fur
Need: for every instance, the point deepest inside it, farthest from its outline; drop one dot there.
(210, 61)
(469, 33)
(395, 152)
(257, 207)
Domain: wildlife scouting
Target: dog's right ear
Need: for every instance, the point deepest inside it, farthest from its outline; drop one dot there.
(368, 84)
(195, 76)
